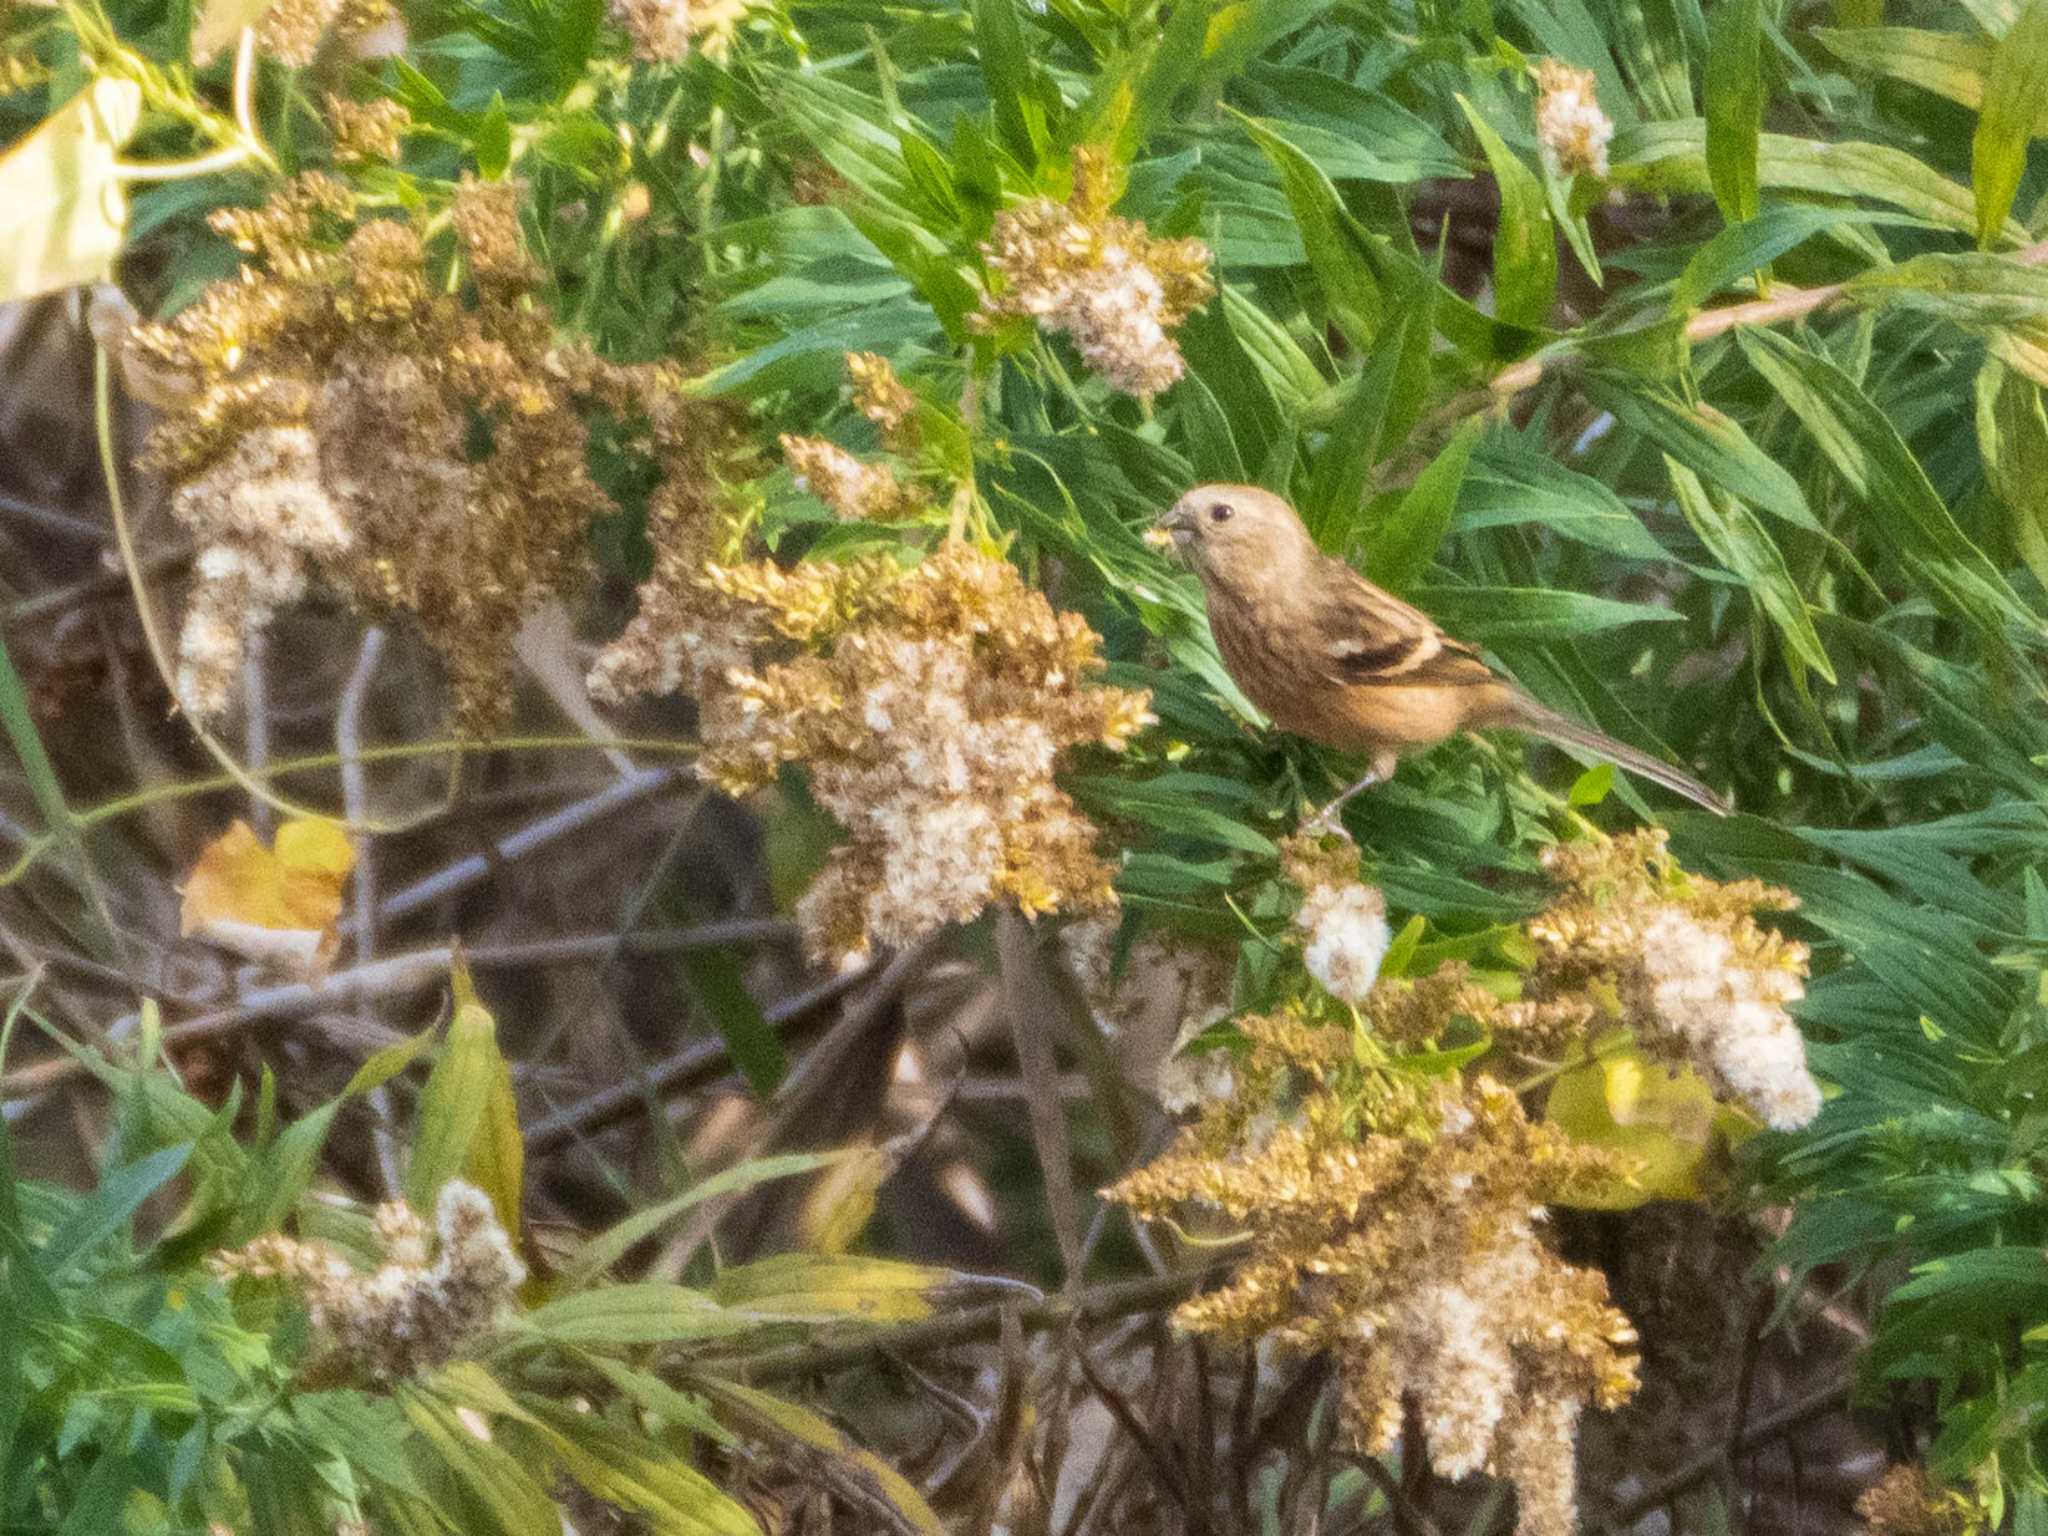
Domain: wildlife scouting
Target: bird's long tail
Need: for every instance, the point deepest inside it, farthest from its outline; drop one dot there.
(1548, 723)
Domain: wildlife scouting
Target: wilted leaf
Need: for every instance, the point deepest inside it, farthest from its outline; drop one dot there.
(823, 1286)
(463, 1109)
(1659, 1124)
(649, 1313)
(277, 904)
(807, 1428)
(63, 211)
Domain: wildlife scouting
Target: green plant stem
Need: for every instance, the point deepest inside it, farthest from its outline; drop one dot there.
(64, 827)
(972, 1325)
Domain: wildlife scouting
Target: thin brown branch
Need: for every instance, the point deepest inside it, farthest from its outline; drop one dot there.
(976, 1325)
(398, 976)
(1772, 1426)
(1028, 1000)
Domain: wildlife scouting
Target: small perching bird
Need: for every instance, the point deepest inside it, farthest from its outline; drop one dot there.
(1332, 657)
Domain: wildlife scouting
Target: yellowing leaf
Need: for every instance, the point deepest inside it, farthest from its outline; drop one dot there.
(63, 213)
(815, 1285)
(278, 904)
(836, 1210)
(1661, 1126)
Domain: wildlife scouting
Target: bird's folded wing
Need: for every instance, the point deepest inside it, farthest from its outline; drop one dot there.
(1373, 639)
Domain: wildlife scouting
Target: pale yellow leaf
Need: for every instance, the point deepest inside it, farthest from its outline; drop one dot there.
(63, 211)
(1661, 1126)
(278, 905)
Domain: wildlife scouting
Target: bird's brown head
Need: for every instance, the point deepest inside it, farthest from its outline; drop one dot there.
(1229, 532)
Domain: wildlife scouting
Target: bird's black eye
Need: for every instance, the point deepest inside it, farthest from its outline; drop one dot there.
(1220, 513)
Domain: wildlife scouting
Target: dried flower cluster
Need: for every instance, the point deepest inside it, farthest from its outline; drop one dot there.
(1572, 130)
(1906, 1502)
(1679, 959)
(1100, 279)
(291, 31)
(1396, 1222)
(878, 394)
(416, 1310)
(662, 31)
(929, 706)
(851, 487)
(367, 130)
(1343, 920)
(328, 431)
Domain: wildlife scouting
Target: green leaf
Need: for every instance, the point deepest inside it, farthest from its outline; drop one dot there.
(63, 208)
(1671, 158)
(609, 1246)
(2014, 92)
(718, 982)
(1406, 543)
(828, 1286)
(648, 1313)
(1509, 484)
(453, 1104)
(106, 1210)
(287, 1166)
(1331, 240)
(808, 1429)
(635, 1473)
(1212, 451)
(2012, 436)
(1735, 106)
(499, 1488)
(1712, 445)
(1880, 471)
(1950, 64)
(1738, 540)
(1387, 398)
(1172, 810)
(1006, 67)
(96, 1504)
(1530, 615)
(1740, 249)
(1592, 786)
(653, 1395)
(1525, 242)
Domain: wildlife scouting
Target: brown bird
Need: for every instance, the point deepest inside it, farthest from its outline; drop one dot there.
(1331, 657)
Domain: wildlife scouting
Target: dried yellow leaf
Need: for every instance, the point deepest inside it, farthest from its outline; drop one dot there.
(276, 905)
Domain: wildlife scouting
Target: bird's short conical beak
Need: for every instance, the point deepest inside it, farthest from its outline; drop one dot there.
(1174, 524)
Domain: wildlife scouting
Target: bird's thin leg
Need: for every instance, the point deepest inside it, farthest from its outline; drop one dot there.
(1327, 816)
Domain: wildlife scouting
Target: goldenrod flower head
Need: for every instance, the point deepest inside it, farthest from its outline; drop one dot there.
(367, 131)
(662, 31)
(1686, 964)
(1572, 130)
(1411, 1248)
(1102, 280)
(322, 429)
(1907, 1502)
(1344, 921)
(853, 489)
(877, 393)
(929, 707)
(411, 1313)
